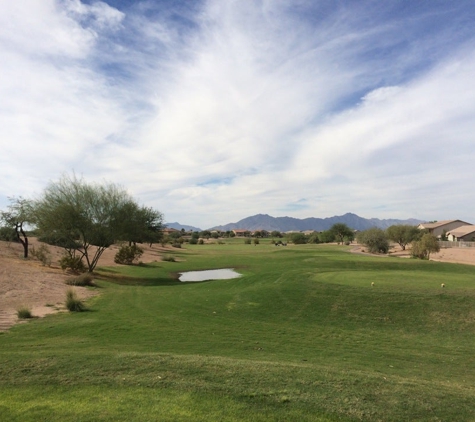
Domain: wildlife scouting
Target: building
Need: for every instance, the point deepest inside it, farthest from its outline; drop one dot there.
(241, 232)
(439, 227)
(462, 233)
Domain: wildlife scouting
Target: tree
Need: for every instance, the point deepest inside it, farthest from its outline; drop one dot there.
(298, 238)
(139, 224)
(374, 239)
(402, 234)
(89, 216)
(314, 238)
(326, 236)
(19, 214)
(423, 248)
(342, 232)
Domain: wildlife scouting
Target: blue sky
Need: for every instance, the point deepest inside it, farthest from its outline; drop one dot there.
(211, 111)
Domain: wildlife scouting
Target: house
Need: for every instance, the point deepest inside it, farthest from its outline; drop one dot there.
(169, 231)
(462, 233)
(438, 228)
(241, 232)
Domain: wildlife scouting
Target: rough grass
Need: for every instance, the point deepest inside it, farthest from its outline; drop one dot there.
(73, 303)
(24, 312)
(302, 336)
(83, 280)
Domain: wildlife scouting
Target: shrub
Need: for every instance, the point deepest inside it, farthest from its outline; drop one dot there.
(193, 241)
(298, 238)
(423, 248)
(256, 241)
(72, 263)
(247, 241)
(201, 242)
(176, 244)
(127, 255)
(169, 258)
(73, 303)
(82, 280)
(374, 239)
(42, 254)
(8, 234)
(24, 313)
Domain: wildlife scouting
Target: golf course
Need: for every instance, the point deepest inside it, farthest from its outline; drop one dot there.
(307, 333)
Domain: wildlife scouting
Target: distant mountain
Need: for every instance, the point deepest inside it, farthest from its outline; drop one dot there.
(285, 224)
(178, 226)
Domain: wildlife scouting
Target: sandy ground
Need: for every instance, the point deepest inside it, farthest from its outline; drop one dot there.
(27, 283)
(43, 291)
(454, 255)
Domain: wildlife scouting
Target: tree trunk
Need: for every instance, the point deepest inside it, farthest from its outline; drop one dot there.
(24, 241)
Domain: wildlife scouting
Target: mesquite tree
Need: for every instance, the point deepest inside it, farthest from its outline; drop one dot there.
(18, 215)
(91, 216)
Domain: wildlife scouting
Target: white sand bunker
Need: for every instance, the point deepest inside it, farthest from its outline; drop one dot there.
(221, 274)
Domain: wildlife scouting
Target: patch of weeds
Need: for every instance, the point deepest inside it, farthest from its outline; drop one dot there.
(81, 280)
(169, 258)
(24, 313)
(42, 254)
(127, 255)
(73, 303)
(72, 263)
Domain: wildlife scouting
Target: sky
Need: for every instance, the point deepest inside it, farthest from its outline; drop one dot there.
(215, 110)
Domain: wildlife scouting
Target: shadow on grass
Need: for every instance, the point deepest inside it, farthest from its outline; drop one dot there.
(124, 280)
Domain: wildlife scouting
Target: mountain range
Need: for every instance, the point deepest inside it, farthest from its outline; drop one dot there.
(285, 224)
(178, 226)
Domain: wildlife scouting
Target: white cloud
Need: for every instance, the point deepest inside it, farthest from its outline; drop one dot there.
(231, 108)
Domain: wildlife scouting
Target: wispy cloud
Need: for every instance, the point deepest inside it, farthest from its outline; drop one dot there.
(216, 110)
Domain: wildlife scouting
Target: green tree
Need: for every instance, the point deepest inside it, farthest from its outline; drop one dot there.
(374, 239)
(298, 238)
(423, 248)
(138, 224)
(326, 236)
(342, 232)
(19, 214)
(402, 234)
(314, 238)
(89, 216)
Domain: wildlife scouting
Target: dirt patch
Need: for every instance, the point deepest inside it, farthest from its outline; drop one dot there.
(454, 255)
(41, 288)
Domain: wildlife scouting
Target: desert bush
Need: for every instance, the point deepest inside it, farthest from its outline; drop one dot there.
(176, 244)
(169, 258)
(256, 241)
(423, 248)
(127, 255)
(72, 263)
(298, 238)
(24, 313)
(374, 239)
(82, 280)
(73, 303)
(201, 242)
(193, 241)
(247, 241)
(42, 254)
(8, 234)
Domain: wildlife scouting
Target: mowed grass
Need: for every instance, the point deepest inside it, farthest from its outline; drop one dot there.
(302, 336)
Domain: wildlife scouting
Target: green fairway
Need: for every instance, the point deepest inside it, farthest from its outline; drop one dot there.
(301, 336)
